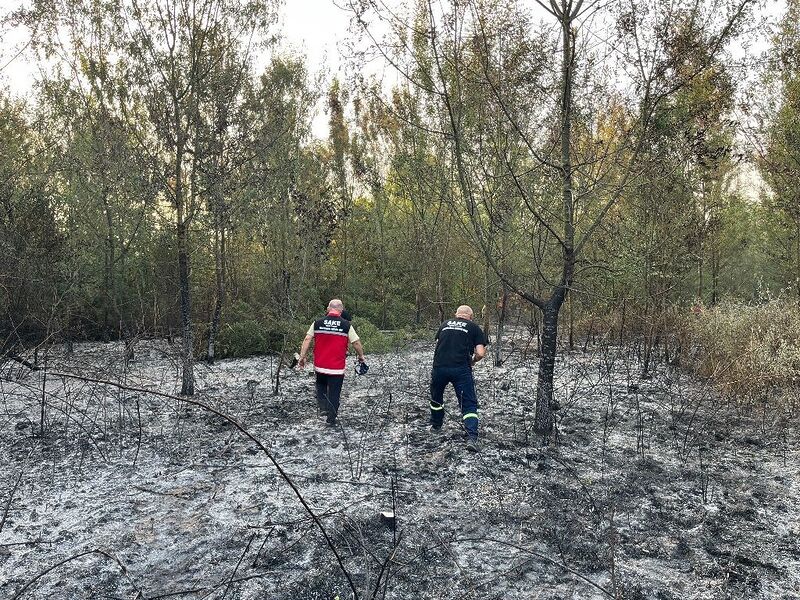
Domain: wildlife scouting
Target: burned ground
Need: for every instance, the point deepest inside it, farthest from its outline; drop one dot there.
(655, 488)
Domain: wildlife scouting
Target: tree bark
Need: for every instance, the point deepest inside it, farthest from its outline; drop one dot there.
(111, 293)
(219, 270)
(187, 379)
(545, 401)
(187, 383)
(501, 322)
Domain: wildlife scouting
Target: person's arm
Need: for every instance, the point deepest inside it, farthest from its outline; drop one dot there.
(304, 350)
(480, 342)
(360, 350)
(356, 342)
(480, 352)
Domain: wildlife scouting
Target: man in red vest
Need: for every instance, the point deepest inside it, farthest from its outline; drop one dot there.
(331, 336)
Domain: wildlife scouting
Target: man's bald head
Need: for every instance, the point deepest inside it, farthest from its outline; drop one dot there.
(336, 305)
(464, 311)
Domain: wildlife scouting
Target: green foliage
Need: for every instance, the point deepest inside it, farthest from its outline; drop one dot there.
(374, 214)
(33, 246)
(373, 340)
(243, 338)
(779, 102)
(247, 331)
(748, 351)
(411, 333)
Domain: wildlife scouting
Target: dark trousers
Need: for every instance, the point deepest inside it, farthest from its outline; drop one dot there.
(464, 384)
(329, 390)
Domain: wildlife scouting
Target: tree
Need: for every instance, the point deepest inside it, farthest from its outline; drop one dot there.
(108, 193)
(35, 264)
(551, 143)
(779, 160)
(177, 64)
(683, 185)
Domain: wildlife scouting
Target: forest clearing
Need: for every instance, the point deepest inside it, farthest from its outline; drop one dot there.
(653, 489)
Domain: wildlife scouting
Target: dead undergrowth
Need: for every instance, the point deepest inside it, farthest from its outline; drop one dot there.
(112, 487)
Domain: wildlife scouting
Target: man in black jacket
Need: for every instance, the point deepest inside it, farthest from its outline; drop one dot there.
(460, 343)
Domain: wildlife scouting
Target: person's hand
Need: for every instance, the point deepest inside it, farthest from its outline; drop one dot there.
(301, 364)
(362, 368)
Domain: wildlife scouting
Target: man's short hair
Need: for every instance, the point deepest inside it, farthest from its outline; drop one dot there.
(465, 311)
(336, 305)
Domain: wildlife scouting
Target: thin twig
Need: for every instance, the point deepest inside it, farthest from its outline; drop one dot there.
(384, 566)
(10, 499)
(241, 558)
(248, 435)
(60, 563)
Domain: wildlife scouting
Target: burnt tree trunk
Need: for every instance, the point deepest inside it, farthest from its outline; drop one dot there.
(108, 271)
(219, 212)
(187, 380)
(219, 300)
(545, 401)
(501, 322)
(220, 217)
(182, 227)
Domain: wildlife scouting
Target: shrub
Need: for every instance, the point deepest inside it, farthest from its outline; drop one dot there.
(245, 332)
(416, 333)
(748, 351)
(244, 338)
(374, 341)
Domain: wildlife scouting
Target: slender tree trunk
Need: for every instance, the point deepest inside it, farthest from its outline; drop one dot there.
(501, 322)
(589, 334)
(220, 220)
(715, 263)
(219, 271)
(187, 383)
(110, 315)
(440, 278)
(485, 311)
(121, 326)
(219, 268)
(545, 402)
(647, 331)
(700, 276)
(648, 349)
(69, 332)
(701, 244)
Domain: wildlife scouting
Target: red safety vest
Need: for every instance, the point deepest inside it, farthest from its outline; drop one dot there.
(331, 337)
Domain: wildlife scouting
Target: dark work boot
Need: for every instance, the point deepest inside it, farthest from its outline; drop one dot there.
(472, 444)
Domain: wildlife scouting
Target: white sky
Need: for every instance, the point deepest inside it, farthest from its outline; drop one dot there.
(316, 28)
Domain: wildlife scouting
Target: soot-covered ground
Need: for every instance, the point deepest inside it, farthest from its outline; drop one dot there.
(654, 488)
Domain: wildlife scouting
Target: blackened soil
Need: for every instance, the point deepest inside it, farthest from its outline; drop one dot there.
(653, 489)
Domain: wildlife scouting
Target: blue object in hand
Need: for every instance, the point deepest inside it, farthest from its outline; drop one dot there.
(362, 368)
